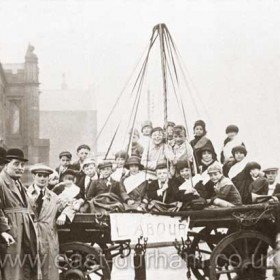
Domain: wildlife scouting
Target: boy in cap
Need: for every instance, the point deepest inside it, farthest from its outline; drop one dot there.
(226, 194)
(168, 129)
(146, 130)
(273, 187)
(136, 148)
(70, 196)
(120, 170)
(65, 158)
(230, 142)
(182, 149)
(46, 207)
(90, 174)
(200, 140)
(17, 228)
(156, 151)
(83, 152)
(162, 189)
(105, 184)
(133, 185)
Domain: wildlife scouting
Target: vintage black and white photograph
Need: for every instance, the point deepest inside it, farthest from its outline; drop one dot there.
(139, 139)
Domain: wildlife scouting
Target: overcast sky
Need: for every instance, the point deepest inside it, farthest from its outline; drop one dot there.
(231, 49)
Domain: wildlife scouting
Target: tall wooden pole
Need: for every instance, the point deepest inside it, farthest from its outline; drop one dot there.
(163, 68)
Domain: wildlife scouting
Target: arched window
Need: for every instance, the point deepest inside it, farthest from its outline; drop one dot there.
(14, 120)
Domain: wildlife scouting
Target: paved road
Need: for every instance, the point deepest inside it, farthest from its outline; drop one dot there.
(162, 264)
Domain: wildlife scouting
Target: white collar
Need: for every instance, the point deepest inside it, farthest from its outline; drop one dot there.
(160, 183)
(38, 189)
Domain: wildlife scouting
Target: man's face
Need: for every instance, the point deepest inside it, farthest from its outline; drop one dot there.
(239, 156)
(157, 137)
(41, 179)
(198, 131)
(215, 176)
(147, 130)
(83, 154)
(90, 170)
(120, 162)
(134, 169)
(271, 176)
(15, 168)
(65, 161)
(185, 173)
(255, 173)
(69, 179)
(106, 172)
(162, 174)
(179, 138)
(231, 135)
(207, 156)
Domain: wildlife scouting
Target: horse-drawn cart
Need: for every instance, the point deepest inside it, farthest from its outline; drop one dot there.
(231, 243)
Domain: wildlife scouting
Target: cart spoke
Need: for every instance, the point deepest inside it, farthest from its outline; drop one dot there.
(246, 249)
(257, 248)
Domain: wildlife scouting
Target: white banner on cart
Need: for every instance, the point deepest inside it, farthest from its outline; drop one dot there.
(154, 227)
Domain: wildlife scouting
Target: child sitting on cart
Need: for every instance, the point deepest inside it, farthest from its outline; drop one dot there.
(120, 170)
(225, 193)
(70, 196)
(133, 185)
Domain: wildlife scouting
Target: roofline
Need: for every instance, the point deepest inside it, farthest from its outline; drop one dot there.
(3, 73)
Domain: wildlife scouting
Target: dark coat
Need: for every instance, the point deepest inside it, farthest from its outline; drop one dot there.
(138, 194)
(99, 187)
(171, 192)
(277, 191)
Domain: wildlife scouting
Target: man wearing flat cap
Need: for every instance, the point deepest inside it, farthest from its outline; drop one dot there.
(17, 229)
(46, 207)
(271, 174)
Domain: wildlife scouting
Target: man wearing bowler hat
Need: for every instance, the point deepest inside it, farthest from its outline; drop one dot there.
(17, 229)
(46, 206)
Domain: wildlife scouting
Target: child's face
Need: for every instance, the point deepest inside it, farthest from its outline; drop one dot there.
(271, 176)
(134, 169)
(157, 137)
(135, 139)
(83, 154)
(180, 138)
(106, 172)
(255, 173)
(207, 156)
(120, 162)
(147, 130)
(231, 135)
(198, 130)
(170, 130)
(41, 179)
(239, 156)
(215, 176)
(69, 179)
(162, 174)
(90, 170)
(185, 173)
(65, 161)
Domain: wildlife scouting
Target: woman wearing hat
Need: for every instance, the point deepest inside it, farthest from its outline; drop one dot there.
(200, 140)
(133, 185)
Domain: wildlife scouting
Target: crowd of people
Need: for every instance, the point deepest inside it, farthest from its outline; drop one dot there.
(159, 171)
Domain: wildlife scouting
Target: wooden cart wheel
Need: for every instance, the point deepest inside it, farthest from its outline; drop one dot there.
(243, 255)
(202, 246)
(79, 261)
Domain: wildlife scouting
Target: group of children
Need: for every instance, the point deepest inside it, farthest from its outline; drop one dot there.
(163, 166)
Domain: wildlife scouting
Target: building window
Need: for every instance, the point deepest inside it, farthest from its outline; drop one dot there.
(14, 117)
